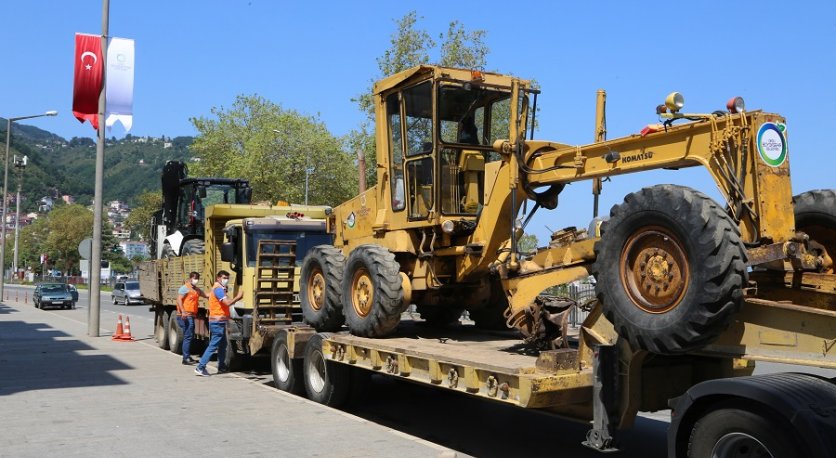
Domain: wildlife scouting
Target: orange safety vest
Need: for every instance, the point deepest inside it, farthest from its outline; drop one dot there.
(217, 310)
(190, 300)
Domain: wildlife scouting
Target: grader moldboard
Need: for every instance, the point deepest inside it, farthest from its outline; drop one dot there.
(688, 289)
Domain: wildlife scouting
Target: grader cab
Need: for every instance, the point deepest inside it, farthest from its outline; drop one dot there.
(456, 176)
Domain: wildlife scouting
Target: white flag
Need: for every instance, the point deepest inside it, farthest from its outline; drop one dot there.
(119, 81)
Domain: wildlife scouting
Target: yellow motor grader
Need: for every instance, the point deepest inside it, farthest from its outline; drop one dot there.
(457, 181)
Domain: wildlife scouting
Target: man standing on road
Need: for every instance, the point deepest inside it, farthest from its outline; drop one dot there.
(218, 316)
(187, 299)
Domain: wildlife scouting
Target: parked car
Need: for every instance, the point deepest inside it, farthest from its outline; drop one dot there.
(53, 295)
(127, 293)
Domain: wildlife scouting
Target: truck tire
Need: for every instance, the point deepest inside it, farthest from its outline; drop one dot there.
(815, 215)
(287, 372)
(670, 269)
(320, 280)
(742, 432)
(193, 246)
(372, 292)
(233, 360)
(326, 382)
(161, 329)
(175, 335)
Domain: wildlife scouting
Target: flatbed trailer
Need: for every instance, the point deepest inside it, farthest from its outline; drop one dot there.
(600, 380)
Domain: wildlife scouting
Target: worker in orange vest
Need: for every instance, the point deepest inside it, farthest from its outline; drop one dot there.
(219, 304)
(187, 301)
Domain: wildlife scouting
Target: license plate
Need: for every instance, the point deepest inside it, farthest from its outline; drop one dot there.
(57, 302)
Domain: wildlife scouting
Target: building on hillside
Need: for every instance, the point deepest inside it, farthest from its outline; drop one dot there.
(121, 232)
(134, 249)
(69, 200)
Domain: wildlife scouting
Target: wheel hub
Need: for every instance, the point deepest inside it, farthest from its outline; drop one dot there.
(316, 290)
(654, 269)
(362, 293)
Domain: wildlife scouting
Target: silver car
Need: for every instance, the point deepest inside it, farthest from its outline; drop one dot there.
(127, 293)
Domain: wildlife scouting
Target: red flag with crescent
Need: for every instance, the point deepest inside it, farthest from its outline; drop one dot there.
(88, 78)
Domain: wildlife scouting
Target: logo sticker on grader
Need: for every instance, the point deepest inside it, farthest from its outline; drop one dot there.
(772, 144)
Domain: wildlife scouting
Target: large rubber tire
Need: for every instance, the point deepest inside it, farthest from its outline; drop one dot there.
(193, 246)
(168, 252)
(287, 372)
(175, 335)
(161, 330)
(440, 315)
(113, 300)
(326, 382)
(731, 432)
(234, 361)
(815, 215)
(670, 269)
(372, 293)
(320, 285)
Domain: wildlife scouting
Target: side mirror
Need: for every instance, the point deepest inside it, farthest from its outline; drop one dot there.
(228, 252)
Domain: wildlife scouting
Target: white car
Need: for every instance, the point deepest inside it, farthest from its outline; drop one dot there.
(127, 293)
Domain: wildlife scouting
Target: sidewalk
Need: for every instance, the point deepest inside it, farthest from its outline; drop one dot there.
(63, 393)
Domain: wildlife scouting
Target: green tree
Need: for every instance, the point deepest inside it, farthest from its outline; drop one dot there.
(272, 147)
(139, 221)
(411, 46)
(67, 226)
(527, 243)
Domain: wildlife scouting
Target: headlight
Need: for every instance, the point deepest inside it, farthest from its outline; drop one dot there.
(674, 101)
(736, 105)
(448, 226)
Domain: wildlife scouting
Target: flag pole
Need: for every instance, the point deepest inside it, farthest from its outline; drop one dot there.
(94, 313)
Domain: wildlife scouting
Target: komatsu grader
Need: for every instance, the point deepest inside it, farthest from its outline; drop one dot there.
(690, 291)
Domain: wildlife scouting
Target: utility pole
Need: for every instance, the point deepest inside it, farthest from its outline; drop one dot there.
(96, 255)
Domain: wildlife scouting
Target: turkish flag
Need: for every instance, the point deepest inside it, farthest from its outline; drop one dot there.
(88, 78)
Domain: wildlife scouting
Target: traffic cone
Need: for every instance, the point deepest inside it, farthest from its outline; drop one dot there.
(127, 335)
(118, 334)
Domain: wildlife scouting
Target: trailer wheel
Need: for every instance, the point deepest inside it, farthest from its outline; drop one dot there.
(372, 292)
(161, 329)
(670, 269)
(175, 335)
(741, 432)
(815, 215)
(287, 372)
(326, 382)
(320, 280)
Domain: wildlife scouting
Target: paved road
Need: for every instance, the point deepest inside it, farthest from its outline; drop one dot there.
(66, 394)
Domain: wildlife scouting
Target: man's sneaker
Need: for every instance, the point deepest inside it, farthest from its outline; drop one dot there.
(189, 362)
(201, 372)
(223, 371)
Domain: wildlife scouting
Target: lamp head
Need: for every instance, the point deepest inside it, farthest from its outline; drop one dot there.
(51, 113)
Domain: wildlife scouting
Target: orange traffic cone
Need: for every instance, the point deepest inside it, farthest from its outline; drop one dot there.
(118, 334)
(127, 335)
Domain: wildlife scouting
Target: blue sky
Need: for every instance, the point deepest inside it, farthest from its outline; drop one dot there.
(314, 56)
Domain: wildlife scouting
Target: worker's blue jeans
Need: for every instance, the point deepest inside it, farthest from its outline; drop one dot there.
(216, 342)
(187, 325)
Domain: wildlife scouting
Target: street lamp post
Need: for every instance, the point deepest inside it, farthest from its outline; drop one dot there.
(20, 164)
(6, 190)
